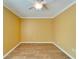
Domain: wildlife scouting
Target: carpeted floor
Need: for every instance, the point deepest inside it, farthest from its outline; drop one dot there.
(37, 51)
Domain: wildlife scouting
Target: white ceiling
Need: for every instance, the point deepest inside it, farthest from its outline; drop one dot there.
(21, 8)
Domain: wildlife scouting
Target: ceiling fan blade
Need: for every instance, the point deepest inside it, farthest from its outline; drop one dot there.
(31, 7)
(45, 6)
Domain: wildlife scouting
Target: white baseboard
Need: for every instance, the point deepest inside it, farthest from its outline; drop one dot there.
(63, 51)
(56, 46)
(40, 42)
(18, 45)
(35, 42)
(11, 50)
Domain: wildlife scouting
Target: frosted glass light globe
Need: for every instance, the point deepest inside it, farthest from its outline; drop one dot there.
(38, 6)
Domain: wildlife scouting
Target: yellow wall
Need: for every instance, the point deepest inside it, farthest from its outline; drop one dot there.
(65, 30)
(60, 30)
(11, 30)
(36, 30)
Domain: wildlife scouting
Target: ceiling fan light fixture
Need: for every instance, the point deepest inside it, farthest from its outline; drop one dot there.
(38, 6)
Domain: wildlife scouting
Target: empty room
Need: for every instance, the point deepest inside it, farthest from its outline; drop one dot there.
(39, 29)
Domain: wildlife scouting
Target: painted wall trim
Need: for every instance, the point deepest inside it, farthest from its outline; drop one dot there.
(39, 43)
(35, 42)
(54, 15)
(11, 11)
(43, 17)
(55, 45)
(11, 50)
(63, 50)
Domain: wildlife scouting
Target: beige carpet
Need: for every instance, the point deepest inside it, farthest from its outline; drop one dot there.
(37, 51)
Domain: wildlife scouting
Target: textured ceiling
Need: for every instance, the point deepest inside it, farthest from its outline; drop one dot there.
(21, 8)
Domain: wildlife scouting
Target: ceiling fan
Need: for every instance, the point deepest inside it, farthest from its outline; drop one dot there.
(39, 4)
